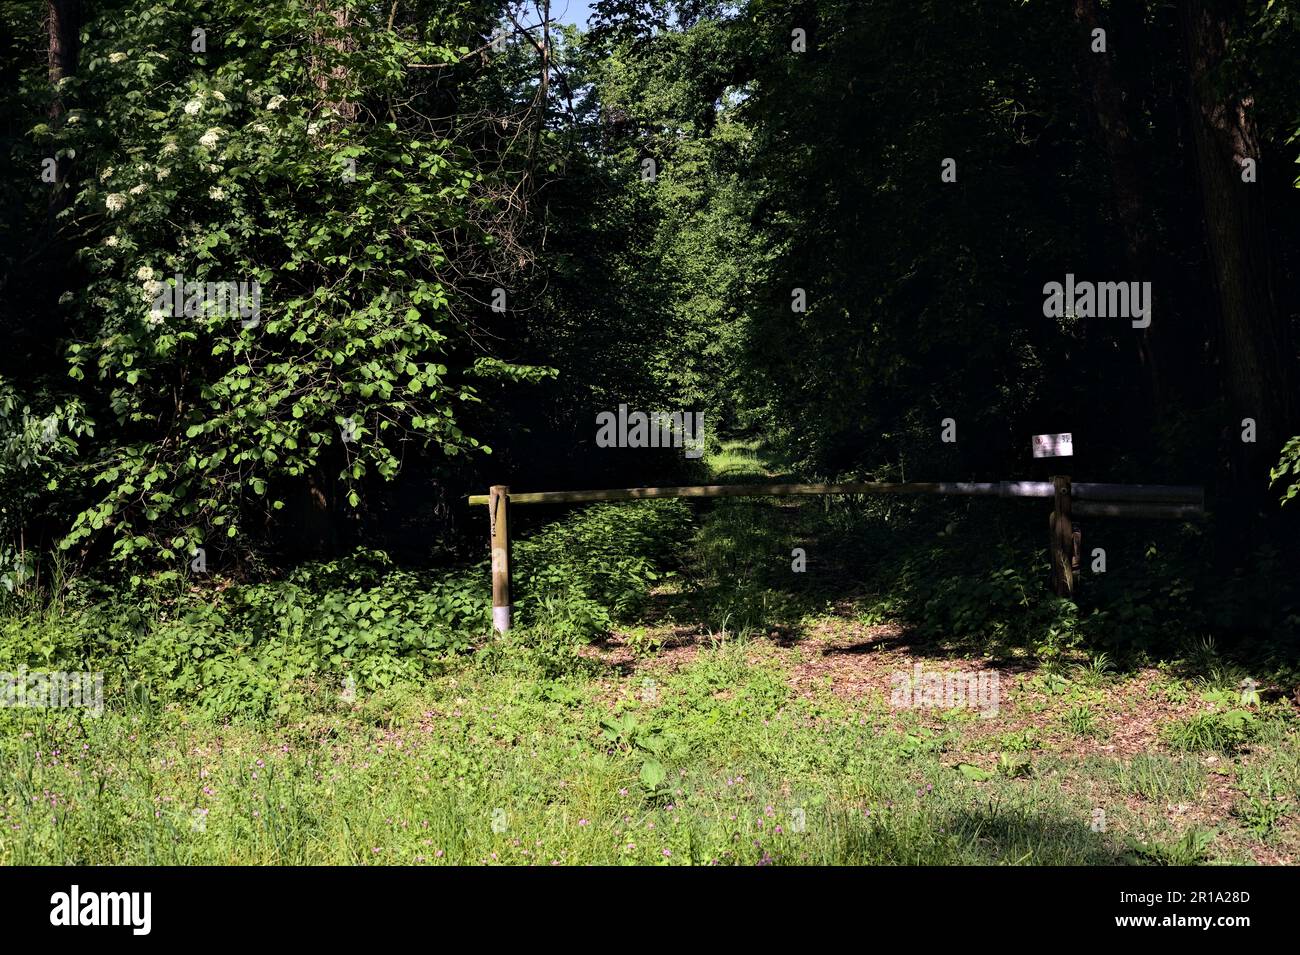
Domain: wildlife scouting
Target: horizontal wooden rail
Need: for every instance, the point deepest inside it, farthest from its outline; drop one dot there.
(1069, 500)
(1191, 497)
(1156, 509)
(1141, 493)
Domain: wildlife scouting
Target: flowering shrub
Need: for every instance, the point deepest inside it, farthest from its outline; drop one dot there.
(319, 181)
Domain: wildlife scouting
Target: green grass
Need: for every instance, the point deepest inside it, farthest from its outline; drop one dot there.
(496, 763)
(416, 778)
(1223, 732)
(1157, 778)
(227, 738)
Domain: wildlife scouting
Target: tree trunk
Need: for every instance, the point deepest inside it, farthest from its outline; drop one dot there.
(65, 47)
(1252, 334)
(312, 533)
(329, 76)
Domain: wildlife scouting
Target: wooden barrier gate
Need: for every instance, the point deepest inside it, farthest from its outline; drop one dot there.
(1069, 500)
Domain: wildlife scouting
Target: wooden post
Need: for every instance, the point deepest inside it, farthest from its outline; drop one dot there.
(498, 506)
(1062, 539)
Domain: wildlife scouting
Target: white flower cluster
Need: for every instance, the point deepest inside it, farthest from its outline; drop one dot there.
(275, 102)
(116, 57)
(115, 202)
(209, 139)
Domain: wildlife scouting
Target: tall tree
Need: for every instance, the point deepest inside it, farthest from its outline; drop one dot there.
(1253, 336)
(65, 48)
(65, 44)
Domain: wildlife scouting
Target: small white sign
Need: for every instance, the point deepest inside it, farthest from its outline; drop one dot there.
(1054, 445)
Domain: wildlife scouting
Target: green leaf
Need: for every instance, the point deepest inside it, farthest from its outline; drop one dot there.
(653, 773)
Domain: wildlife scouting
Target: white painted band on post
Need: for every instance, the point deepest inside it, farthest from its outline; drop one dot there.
(501, 618)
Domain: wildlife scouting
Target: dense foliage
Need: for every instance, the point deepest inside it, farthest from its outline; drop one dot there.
(283, 282)
(472, 230)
